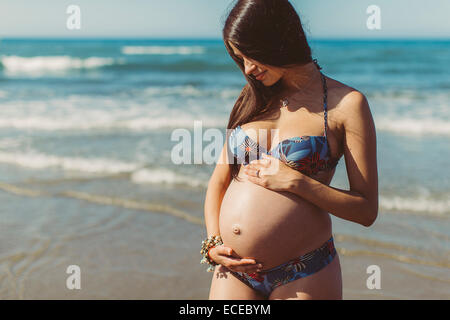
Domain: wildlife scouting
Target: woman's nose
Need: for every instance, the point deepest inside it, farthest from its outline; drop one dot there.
(249, 67)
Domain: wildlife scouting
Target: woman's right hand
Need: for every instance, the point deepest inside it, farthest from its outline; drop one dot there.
(229, 259)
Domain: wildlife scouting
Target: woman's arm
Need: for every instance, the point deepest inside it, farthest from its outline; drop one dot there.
(217, 186)
(360, 203)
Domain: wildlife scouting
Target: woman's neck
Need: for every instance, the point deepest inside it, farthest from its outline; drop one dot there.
(301, 79)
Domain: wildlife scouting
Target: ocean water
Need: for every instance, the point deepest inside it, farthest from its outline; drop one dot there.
(86, 172)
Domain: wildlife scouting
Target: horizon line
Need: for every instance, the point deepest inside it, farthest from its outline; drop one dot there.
(353, 38)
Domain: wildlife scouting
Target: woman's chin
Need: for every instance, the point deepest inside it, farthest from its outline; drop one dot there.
(268, 83)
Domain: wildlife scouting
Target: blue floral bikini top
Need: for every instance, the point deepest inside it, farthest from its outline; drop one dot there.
(307, 154)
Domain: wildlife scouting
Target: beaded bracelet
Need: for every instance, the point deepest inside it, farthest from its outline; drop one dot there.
(208, 244)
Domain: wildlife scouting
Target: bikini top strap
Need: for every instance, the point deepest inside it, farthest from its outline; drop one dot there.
(325, 95)
(317, 64)
(325, 101)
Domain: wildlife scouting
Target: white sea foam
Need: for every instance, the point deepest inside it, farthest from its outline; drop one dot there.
(162, 175)
(163, 50)
(413, 126)
(230, 93)
(85, 113)
(421, 205)
(174, 90)
(91, 123)
(37, 160)
(411, 112)
(16, 64)
(161, 107)
(8, 143)
(191, 91)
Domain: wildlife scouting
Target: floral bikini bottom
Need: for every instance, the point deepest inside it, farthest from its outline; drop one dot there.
(267, 280)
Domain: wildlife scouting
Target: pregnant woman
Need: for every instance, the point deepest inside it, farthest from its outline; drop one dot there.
(268, 200)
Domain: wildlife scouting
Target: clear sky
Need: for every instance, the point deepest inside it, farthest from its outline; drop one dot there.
(202, 18)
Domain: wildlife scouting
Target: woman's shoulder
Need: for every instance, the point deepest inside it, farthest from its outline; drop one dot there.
(344, 100)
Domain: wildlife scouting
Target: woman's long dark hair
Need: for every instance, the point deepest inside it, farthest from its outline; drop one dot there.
(270, 32)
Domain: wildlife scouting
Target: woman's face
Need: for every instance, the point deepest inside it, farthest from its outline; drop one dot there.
(268, 75)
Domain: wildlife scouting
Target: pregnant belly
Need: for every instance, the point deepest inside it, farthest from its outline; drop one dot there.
(270, 226)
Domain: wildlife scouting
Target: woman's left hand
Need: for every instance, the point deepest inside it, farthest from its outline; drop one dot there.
(271, 173)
